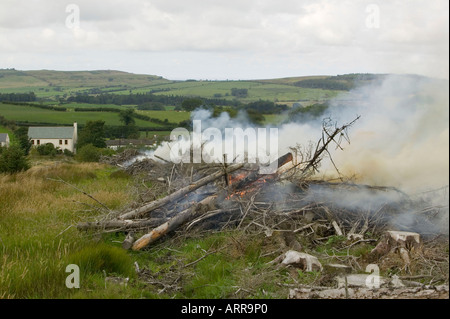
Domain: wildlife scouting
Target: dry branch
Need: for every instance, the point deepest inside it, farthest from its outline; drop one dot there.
(121, 224)
(178, 194)
(171, 224)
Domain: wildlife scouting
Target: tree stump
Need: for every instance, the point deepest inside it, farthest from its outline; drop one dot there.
(403, 243)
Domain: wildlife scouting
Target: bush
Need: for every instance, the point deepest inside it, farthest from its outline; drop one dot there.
(255, 117)
(12, 160)
(107, 152)
(88, 153)
(68, 153)
(47, 149)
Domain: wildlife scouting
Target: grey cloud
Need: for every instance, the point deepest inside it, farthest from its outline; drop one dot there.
(326, 35)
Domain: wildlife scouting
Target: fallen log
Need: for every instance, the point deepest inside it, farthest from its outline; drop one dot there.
(178, 194)
(121, 224)
(172, 223)
(192, 212)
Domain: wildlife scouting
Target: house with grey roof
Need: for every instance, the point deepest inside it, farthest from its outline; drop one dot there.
(4, 139)
(64, 138)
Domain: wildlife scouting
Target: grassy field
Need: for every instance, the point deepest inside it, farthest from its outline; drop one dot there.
(38, 241)
(5, 130)
(171, 116)
(35, 250)
(30, 114)
(256, 91)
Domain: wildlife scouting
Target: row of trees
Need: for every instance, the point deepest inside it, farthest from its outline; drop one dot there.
(17, 97)
(143, 100)
(339, 82)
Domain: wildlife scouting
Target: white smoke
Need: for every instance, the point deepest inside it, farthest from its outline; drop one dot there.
(401, 139)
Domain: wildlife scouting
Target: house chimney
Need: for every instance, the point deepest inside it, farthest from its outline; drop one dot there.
(75, 133)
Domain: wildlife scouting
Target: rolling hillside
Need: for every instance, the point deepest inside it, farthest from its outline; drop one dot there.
(53, 85)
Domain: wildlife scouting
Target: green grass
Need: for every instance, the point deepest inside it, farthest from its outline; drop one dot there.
(30, 114)
(36, 241)
(171, 116)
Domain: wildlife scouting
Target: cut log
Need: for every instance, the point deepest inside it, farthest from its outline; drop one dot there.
(337, 269)
(407, 240)
(172, 224)
(335, 225)
(262, 173)
(403, 243)
(393, 240)
(121, 224)
(360, 280)
(128, 242)
(178, 194)
(303, 261)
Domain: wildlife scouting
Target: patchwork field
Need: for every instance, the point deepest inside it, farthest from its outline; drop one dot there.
(28, 114)
(54, 84)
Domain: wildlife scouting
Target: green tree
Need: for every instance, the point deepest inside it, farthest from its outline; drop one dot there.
(13, 159)
(129, 130)
(47, 149)
(23, 140)
(92, 133)
(126, 117)
(88, 153)
(255, 117)
(191, 104)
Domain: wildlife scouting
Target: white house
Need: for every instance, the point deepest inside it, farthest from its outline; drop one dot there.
(4, 139)
(64, 138)
(136, 143)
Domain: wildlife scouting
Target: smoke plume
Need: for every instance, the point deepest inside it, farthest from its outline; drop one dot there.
(401, 139)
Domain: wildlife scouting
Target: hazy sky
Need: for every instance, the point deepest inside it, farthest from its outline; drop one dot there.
(227, 39)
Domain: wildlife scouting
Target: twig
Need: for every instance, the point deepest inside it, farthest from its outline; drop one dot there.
(64, 231)
(80, 190)
(203, 257)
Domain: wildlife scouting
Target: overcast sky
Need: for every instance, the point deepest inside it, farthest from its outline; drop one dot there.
(227, 39)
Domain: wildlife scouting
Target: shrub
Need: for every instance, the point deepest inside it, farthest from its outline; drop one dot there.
(12, 160)
(47, 149)
(107, 152)
(68, 153)
(88, 153)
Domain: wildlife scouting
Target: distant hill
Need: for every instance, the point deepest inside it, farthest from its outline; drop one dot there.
(327, 82)
(62, 86)
(10, 78)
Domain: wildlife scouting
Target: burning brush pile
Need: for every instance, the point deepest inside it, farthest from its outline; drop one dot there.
(304, 212)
